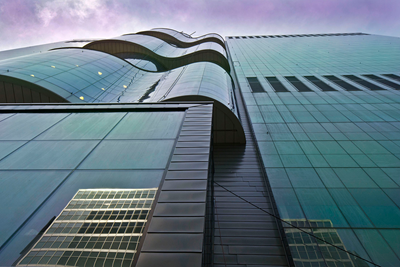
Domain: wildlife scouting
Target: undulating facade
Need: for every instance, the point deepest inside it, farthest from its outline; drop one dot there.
(160, 149)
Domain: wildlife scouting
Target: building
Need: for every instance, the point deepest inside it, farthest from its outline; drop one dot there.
(159, 149)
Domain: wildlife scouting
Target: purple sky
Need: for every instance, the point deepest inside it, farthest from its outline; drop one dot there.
(31, 22)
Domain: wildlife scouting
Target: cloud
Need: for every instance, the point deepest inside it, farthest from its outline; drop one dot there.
(28, 22)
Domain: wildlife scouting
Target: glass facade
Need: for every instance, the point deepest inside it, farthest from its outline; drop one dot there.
(78, 181)
(45, 158)
(330, 144)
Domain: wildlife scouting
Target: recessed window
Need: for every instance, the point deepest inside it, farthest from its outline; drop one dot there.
(383, 81)
(301, 87)
(363, 82)
(392, 76)
(255, 85)
(276, 84)
(346, 86)
(320, 84)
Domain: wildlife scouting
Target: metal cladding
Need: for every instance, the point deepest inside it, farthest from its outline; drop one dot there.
(181, 39)
(133, 68)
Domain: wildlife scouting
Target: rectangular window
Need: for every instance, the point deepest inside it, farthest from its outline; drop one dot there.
(383, 81)
(320, 84)
(301, 87)
(255, 85)
(358, 80)
(346, 86)
(276, 84)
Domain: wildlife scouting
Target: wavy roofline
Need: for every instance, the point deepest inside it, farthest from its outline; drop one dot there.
(168, 62)
(222, 39)
(167, 37)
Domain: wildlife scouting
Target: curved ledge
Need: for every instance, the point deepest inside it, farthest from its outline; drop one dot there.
(182, 58)
(180, 40)
(227, 128)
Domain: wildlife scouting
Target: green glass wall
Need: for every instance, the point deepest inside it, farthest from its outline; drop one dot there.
(332, 157)
(45, 158)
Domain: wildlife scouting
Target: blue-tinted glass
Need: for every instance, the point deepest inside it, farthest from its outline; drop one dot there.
(377, 248)
(139, 125)
(319, 205)
(129, 154)
(48, 155)
(27, 126)
(82, 126)
(378, 207)
(19, 196)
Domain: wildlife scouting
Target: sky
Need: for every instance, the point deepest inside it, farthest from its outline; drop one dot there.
(32, 22)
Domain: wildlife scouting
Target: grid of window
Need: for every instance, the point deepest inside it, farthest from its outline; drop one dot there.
(98, 227)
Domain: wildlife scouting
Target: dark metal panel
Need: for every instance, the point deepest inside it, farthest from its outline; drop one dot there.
(161, 242)
(180, 209)
(147, 259)
(186, 175)
(185, 185)
(181, 196)
(176, 225)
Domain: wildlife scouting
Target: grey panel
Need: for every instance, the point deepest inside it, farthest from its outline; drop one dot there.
(169, 259)
(176, 225)
(186, 174)
(173, 242)
(179, 209)
(251, 250)
(258, 259)
(184, 185)
(180, 196)
(184, 151)
(188, 166)
(176, 158)
(193, 144)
